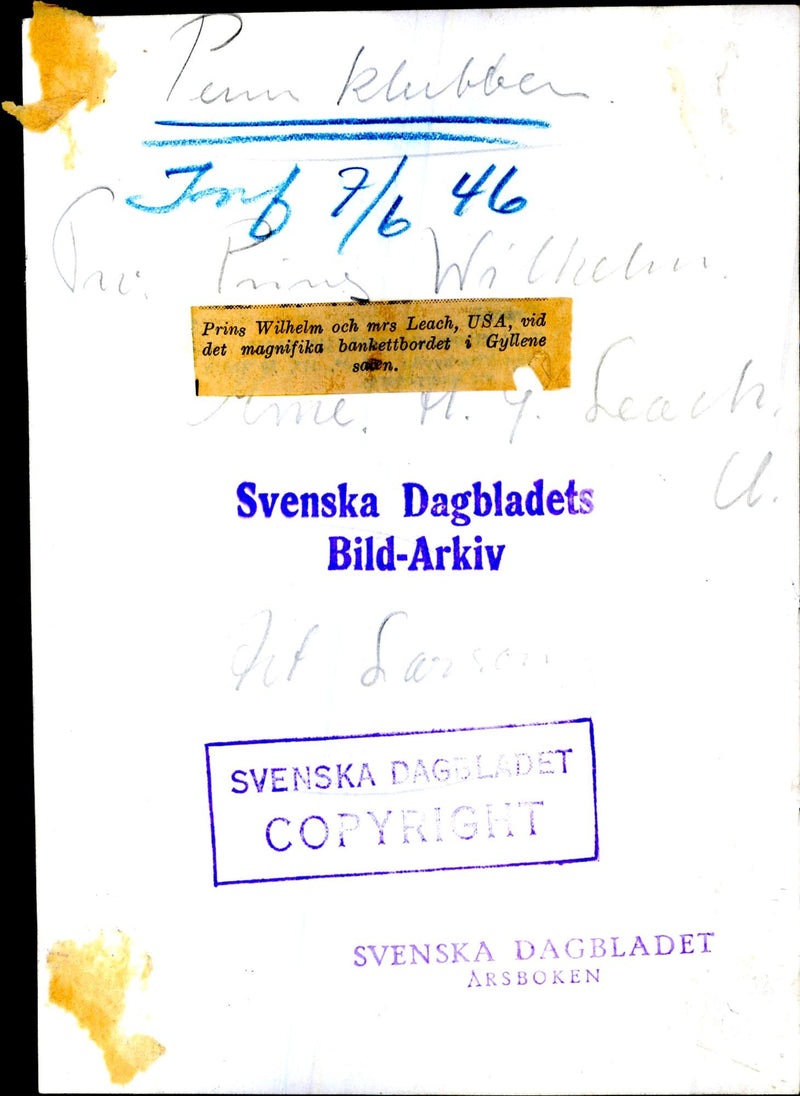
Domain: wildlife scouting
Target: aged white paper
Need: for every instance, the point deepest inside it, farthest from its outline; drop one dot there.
(586, 880)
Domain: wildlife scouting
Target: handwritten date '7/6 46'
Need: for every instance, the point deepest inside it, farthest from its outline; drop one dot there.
(274, 210)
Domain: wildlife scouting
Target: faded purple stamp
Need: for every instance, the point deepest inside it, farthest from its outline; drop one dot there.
(386, 803)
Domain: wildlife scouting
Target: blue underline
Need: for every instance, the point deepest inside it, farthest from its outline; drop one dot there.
(389, 135)
(432, 119)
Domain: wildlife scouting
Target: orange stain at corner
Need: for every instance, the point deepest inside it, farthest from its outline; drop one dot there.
(91, 981)
(72, 67)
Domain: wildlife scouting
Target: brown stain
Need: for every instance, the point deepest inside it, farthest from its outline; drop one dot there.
(679, 89)
(72, 68)
(541, 365)
(91, 982)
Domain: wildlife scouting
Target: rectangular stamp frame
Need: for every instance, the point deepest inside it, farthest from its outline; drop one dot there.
(402, 735)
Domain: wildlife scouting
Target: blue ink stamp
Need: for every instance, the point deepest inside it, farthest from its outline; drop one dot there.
(407, 801)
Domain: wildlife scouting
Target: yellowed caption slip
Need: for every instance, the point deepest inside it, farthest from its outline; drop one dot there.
(380, 346)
